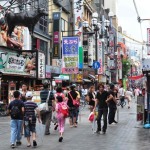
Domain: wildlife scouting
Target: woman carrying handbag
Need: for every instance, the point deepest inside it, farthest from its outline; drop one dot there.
(73, 108)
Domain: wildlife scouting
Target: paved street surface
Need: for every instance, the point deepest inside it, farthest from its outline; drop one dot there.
(126, 135)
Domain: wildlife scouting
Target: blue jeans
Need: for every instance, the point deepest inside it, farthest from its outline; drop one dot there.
(16, 128)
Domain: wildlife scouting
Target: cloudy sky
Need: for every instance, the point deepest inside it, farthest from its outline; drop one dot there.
(128, 18)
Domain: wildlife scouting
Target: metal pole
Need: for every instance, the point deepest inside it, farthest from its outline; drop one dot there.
(96, 57)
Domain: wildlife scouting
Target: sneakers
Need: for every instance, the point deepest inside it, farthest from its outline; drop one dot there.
(18, 143)
(34, 143)
(60, 139)
(13, 146)
(98, 131)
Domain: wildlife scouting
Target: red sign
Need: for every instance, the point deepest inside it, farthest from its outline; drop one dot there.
(56, 37)
(58, 81)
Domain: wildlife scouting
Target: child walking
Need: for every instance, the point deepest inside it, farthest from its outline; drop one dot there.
(60, 116)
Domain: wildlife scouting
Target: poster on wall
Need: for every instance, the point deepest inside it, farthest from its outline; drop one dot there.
(70, 48)
(148, 41)
(19, 39)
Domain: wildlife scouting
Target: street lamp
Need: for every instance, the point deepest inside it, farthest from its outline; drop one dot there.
(85, 24)
(106, 23)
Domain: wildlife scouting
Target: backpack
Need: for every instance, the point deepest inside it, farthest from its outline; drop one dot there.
(15, 111)
(64, 109)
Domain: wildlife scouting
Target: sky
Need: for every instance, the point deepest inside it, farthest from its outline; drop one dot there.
(127, 17)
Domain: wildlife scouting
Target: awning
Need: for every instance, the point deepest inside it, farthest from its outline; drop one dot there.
(136, 77)
(86, 80)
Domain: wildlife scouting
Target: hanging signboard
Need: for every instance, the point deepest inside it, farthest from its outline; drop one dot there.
(41, 65)
(70, 48)
(90, 51)
(14, 63)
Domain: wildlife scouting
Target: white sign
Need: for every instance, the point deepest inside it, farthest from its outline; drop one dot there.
(41, 65)
(15, 63)
(90, 51)
(146, 65)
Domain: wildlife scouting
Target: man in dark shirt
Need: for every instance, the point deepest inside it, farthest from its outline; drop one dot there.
(16, 110)
(46, 117)
(112, 105)
(101, 98)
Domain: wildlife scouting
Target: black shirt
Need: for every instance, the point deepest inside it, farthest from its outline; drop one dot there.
(19, 104)
(91, 97)
(44, 94)
(102, 97)
(112, 104)
(74, 96)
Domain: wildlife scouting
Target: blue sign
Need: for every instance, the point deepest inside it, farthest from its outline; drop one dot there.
(70, 45)
(96, 65)
(56, 15)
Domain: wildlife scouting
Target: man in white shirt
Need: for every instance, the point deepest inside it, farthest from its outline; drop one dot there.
(121, 95)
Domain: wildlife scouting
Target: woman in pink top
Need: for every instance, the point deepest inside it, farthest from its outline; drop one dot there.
(58, 93)
(60, 117)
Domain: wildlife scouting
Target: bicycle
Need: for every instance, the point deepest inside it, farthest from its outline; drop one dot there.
(3, 111)
(121, 103)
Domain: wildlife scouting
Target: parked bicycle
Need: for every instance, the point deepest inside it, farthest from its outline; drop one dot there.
(3, 110)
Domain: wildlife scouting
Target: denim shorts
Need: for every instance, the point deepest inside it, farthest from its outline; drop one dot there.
(29, 127)
(72, 112)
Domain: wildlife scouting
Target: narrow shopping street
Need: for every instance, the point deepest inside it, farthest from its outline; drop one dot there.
(126, 135)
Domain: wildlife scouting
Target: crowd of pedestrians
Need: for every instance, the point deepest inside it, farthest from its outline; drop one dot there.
(62, 104)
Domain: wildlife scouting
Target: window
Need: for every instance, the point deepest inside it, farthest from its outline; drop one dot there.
(43, 24)
(62, 25)
(44, 47)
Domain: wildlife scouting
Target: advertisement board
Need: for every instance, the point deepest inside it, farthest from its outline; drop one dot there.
(14, 63)
(70, 48)
(19, 39)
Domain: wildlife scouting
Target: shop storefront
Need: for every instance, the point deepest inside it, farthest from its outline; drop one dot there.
(17, 67)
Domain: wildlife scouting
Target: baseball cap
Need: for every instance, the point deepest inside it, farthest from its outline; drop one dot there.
(29, 94)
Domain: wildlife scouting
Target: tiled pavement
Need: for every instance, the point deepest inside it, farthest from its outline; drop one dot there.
(126, 135)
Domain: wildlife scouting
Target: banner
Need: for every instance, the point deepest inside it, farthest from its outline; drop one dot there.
(100, 57)
(90, 51)
(136, 77)
(70, 48)
(148, 41)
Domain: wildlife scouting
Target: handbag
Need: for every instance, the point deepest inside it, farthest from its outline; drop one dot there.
(75, 102)
(44, 106)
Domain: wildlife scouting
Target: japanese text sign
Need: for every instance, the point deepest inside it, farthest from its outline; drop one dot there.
(70, 48)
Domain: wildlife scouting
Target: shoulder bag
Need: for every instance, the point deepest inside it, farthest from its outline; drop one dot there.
(74, 101)
(44, 106)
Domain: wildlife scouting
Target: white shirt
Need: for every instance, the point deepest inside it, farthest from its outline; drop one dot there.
(129, 94)
(84, 91)
(121, 92)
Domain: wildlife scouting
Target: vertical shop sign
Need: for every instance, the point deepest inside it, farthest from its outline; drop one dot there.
(41, 65)
(70, 48)
(80, 57)
(90, 51)
(100, 57)
(56, 34)
(148, 41)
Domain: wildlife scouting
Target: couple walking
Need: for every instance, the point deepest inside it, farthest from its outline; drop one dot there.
(105, 100)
